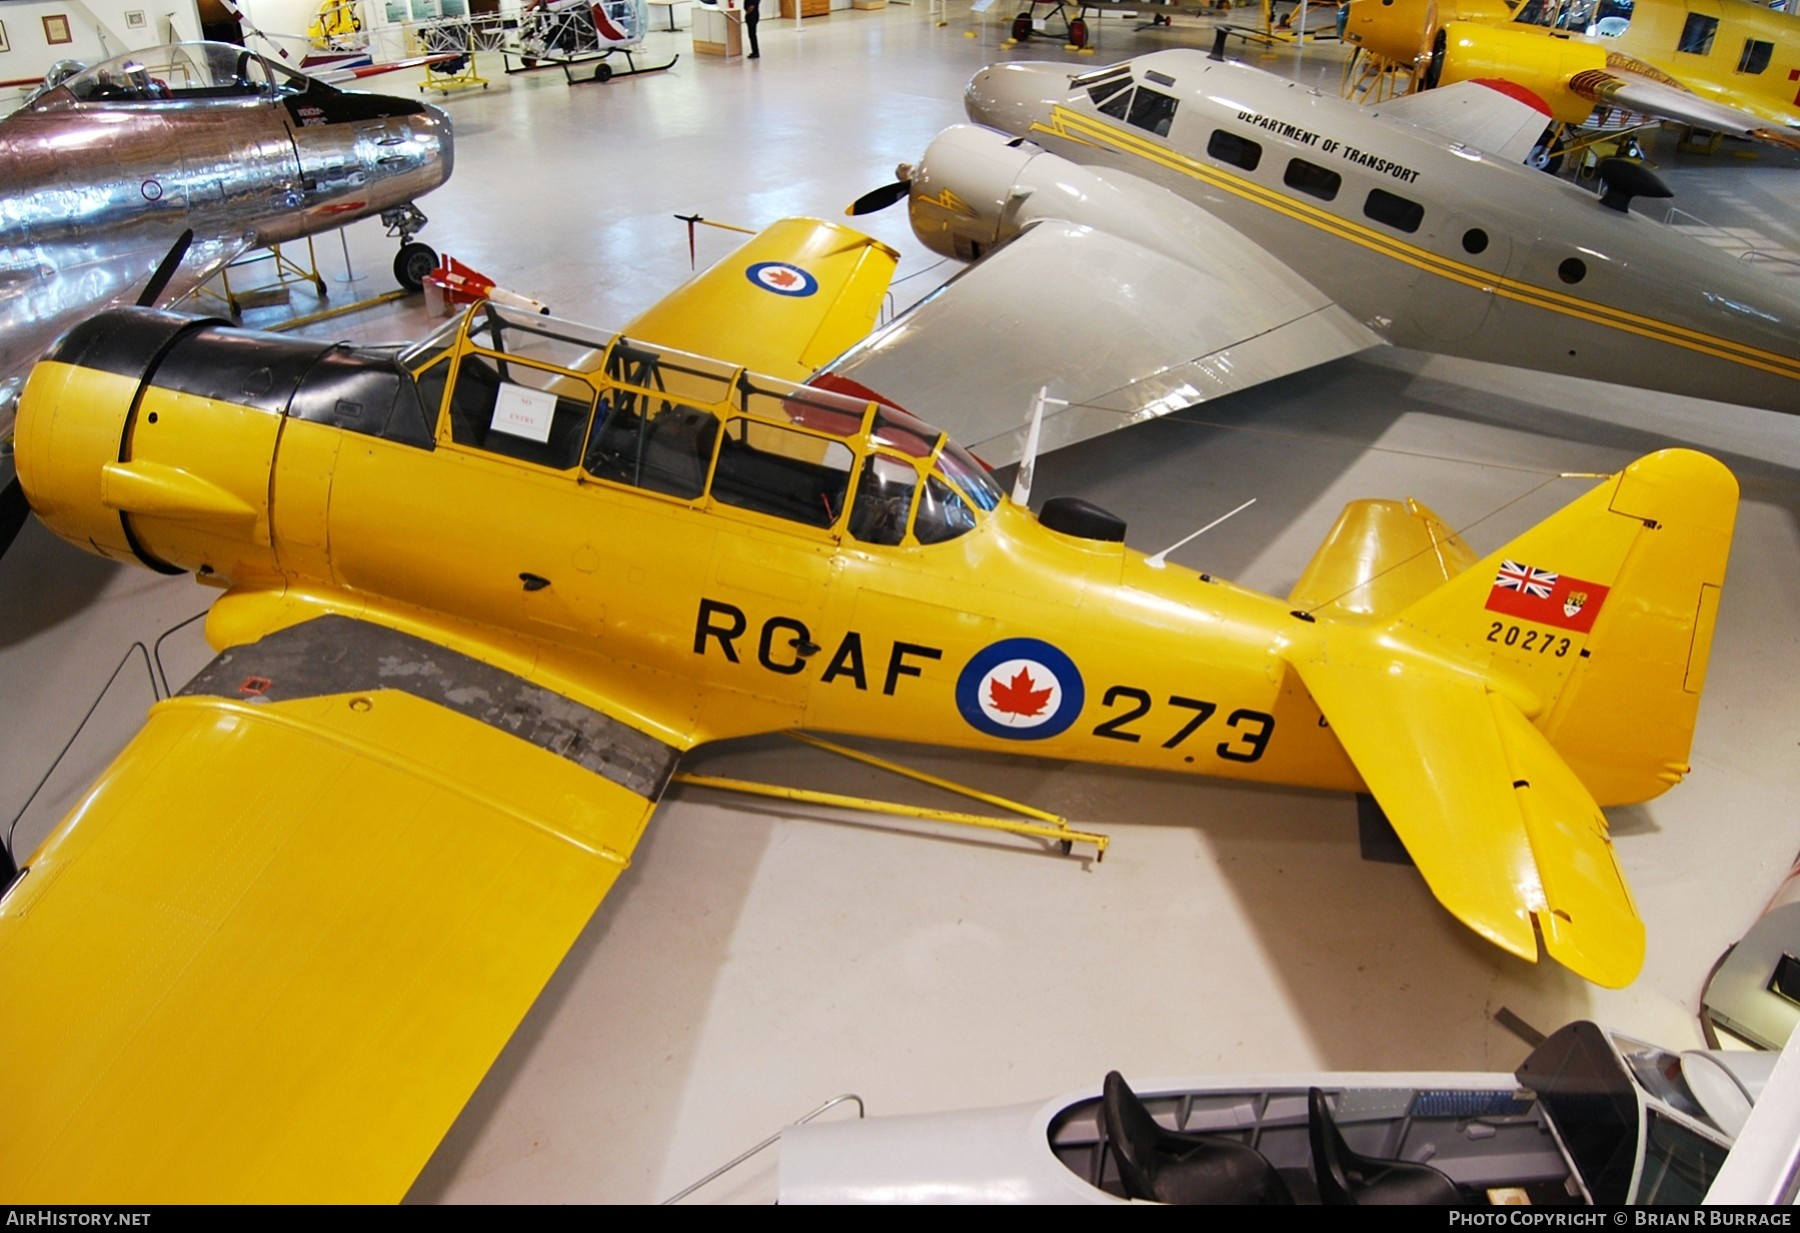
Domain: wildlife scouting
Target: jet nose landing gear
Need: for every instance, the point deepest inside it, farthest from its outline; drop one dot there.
(414, 260)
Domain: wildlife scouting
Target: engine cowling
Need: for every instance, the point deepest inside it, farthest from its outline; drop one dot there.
(976, 189)
(1541, 62)
(151, 437)
(965, 191)
(1404, 30)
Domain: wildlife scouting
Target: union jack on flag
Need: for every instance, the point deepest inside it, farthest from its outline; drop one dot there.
(1534, 582)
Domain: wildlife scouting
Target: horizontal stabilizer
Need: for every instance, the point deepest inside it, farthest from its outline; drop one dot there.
(1492, 716)
(1504, 834)
(1591, 927)
(1379, 557)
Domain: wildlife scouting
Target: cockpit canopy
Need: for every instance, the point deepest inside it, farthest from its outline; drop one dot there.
(174, 73)
(1633, 1127)
(1149, 104)
(561, 396)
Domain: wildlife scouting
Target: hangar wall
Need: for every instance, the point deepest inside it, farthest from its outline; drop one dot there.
(96, 29)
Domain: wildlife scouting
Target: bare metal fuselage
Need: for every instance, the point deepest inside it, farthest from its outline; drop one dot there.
(99, 188)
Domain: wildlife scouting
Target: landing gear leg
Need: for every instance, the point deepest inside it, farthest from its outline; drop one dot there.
(1547, 154)
(414, 260)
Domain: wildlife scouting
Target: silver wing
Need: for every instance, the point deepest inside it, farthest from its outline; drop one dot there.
(1502, 119)
(1125, 301)
(46, 288)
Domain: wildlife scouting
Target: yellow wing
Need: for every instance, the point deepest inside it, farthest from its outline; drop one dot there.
(273, 951)
(793, 298)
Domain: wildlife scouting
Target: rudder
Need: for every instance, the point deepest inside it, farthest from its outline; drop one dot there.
(1597, 622)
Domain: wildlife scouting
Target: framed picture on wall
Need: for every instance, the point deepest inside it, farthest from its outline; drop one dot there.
(4, 45)
(56, 29)
(134, 19)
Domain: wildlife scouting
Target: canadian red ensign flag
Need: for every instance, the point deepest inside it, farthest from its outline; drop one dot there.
(1533, 594)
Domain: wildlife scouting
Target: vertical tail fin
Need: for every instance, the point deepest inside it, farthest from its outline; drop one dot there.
(1597, 622)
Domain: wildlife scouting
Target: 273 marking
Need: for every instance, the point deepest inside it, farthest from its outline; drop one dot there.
(1252, 729)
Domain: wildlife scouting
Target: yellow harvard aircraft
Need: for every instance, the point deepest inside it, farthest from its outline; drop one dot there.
(1730, 66)
(480, 595)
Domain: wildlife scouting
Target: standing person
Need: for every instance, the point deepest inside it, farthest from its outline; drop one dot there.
(752, 15)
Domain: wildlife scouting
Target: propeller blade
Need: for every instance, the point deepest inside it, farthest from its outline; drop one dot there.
(164, 272)
(693, 221)
(880, 199)
(13, 509)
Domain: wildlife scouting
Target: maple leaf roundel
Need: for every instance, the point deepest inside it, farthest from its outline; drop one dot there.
(781, 278)
(1022, 689)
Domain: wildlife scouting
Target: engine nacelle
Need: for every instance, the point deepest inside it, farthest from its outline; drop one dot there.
(1404, 30)
(965, 191)
(976, 188)
(1464, 51)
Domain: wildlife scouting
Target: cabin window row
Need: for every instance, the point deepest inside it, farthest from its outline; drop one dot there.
(1388, 209)
(1697, 36)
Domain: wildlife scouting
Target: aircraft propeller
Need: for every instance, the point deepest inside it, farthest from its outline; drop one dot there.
(12, 510)
(159, 281)
(883, 197)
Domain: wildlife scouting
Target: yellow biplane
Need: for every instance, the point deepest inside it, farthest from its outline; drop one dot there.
(480, 595)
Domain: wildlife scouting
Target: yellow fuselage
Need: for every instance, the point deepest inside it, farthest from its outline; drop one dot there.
(732, 620)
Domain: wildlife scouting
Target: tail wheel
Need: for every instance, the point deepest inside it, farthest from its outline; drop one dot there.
(412, 263)
(1022, 27)
(1078, 32)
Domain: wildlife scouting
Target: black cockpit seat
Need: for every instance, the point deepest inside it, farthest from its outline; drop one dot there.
(1347, 1179)
(1169, 1167)
(678, 451)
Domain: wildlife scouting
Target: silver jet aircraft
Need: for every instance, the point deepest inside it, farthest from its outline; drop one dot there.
(1153, 234)
(102, 173)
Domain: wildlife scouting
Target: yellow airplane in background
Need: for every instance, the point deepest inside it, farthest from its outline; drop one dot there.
(1728, 66)
(480, 595)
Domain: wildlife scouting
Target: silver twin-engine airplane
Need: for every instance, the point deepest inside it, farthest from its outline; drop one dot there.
(1154, 234)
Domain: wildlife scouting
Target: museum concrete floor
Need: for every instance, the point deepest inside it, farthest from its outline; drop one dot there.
(759, 959)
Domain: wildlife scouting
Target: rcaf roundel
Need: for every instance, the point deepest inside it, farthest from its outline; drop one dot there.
(1021, 689)
(782, 278)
